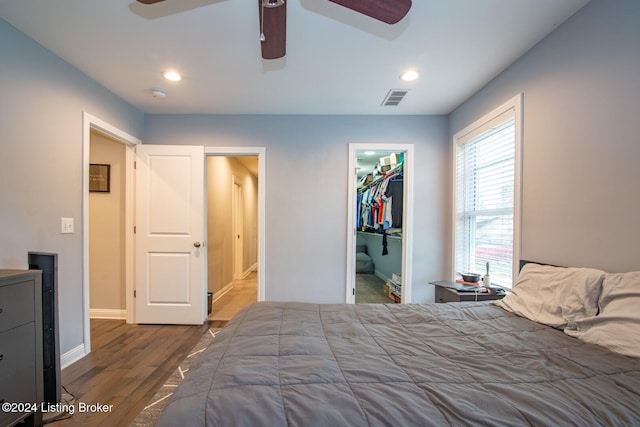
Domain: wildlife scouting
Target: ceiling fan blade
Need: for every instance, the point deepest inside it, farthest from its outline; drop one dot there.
(149, 1)
(273, 24)
(389, 11)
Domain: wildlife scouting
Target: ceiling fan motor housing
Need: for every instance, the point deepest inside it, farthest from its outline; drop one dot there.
(273, 28)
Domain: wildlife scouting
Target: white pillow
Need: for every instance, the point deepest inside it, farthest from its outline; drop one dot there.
(617, 326)
(554, 295)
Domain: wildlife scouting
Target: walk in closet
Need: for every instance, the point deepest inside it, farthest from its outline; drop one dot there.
(379, 216)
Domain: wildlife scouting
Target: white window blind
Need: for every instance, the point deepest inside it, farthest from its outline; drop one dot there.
(485, 199)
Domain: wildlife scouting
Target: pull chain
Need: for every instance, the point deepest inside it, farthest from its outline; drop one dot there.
(262, 36)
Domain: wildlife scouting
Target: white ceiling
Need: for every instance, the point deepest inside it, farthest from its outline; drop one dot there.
(337, 62)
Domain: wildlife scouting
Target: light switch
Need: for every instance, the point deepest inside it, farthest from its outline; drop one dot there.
(66, 225)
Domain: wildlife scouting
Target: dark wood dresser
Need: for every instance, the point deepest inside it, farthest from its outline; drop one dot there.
(21, 384)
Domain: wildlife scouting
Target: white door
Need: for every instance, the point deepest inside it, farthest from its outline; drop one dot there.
(170, 252)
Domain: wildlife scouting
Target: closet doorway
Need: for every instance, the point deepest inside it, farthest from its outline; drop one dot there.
(380, 223)
(232, 233)
(107, 227)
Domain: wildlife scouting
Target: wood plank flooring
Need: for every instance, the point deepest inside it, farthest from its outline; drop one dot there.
(127, 365)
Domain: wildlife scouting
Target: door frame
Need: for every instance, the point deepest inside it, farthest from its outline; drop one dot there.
(407, 218)
(260, 152)
(238, 222)
(90, 122)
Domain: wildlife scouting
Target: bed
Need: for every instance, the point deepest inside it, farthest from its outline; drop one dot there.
(479, 363)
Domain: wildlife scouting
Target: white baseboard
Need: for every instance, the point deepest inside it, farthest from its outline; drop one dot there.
(222, 291)
(72, 356)
(245, 273)
(381, 276)
(250, 270)
(108, 313)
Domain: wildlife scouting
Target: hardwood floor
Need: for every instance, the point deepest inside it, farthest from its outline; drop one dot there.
(127, 365)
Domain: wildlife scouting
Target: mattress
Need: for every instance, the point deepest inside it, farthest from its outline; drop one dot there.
(298, 364)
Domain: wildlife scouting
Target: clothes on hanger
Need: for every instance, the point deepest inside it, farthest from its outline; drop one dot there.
(385, 247)
(379, 204)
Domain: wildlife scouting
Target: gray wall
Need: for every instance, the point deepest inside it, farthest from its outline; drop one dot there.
(385, 265)
(581, 85)
(306, 191)
(41, 109)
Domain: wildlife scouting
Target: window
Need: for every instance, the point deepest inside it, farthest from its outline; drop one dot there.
(487, 195)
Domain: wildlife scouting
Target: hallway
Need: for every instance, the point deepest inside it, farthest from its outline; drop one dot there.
(243, 293)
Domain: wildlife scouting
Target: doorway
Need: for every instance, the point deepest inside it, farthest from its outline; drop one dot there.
(380, 223)
(107, 195)
(232, 192)
(91, 123)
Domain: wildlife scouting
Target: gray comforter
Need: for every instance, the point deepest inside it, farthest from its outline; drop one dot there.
(295, 364)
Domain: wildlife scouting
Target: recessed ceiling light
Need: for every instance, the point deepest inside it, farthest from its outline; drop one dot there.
(172, 75)
(409, 76)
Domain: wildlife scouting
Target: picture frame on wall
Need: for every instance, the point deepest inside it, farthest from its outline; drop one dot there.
(99, 178)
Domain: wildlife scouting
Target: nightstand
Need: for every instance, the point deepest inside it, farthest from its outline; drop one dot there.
(446, 292)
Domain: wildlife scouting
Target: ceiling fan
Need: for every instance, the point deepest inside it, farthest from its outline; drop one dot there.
(273, 19)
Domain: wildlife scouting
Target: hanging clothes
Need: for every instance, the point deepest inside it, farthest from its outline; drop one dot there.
(380, 203)
(359, 211)
(385, 245)
(388, 216)
(395, 191)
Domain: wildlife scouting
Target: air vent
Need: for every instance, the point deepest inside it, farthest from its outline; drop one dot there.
(394, 97)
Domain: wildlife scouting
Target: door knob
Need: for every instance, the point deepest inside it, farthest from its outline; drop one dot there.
(196, 244)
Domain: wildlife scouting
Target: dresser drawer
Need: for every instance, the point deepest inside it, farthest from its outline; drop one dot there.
(16, 305)
(18, 367)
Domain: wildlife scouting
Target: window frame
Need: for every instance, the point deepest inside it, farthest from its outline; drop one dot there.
(468, 133)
